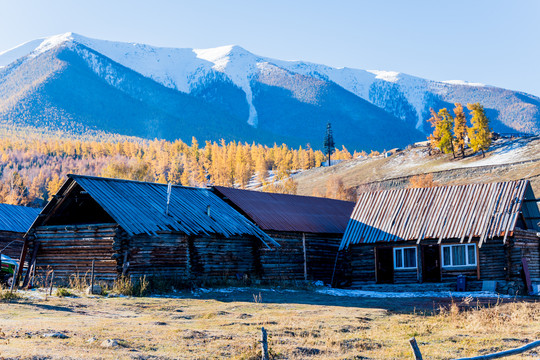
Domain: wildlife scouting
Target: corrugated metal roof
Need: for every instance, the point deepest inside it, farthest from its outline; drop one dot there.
(16, 218)
(444, 212)
(139, 207)
(283, 212)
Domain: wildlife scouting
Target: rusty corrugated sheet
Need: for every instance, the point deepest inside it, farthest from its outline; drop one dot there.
(139, 207)
(444, 212)
(283, 212)
(16, 218)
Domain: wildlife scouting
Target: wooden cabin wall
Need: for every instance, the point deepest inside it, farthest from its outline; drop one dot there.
(496, 262)
(528, 244)
(362, 264)
(12, 242)
(69, 250)
(321, 252)
(287, 262)
(214, 258)
(165, 255)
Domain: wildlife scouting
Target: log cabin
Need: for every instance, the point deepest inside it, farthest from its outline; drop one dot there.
(488, 233)
(14, 222)
(137, 229)
(309, 230)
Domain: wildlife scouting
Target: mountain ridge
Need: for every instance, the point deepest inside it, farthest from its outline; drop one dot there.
(237, 85)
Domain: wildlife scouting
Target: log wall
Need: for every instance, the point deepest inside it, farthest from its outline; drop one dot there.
(287, 262)
(164, 255)
(69, 250)
(217, 258)
(12, 242)
(496, 261)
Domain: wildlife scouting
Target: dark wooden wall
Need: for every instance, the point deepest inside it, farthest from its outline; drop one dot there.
(215, 258)
(287, 262)
(165, 255)
(69, 250)
(12, 242)
(496, 261)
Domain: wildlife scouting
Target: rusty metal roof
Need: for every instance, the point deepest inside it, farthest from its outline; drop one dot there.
(16, 218)
(139, 207)
(444, 212)
(283, 212)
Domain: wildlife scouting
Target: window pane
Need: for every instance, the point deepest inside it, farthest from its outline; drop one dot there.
(410, 258)
(446, 256)
(458, 255)
(399, 258)
(472, 254)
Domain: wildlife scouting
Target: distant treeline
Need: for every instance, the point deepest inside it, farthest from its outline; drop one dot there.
(33, 168)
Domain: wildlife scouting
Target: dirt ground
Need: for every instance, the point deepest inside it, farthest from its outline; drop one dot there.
(226, 324)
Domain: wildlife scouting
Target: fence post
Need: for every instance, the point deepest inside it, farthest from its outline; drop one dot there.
(416, 349)
(92, 279)
(264, 342)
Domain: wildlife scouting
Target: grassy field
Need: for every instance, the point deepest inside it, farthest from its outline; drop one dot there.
(226, 324)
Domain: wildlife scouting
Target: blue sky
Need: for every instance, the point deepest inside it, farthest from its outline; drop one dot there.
(493, 42)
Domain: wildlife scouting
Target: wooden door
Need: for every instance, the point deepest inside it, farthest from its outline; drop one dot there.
(385, 265)
(431, 263)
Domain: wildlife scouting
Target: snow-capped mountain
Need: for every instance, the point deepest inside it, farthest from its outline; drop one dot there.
(74, 82)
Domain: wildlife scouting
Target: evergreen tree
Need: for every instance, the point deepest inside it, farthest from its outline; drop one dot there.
(479, 132)
(328, 144)
(460, 129)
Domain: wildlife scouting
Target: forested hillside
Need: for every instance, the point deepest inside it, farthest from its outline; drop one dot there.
(33, 167)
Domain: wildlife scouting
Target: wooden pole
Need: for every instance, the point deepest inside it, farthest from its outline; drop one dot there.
(305, 255)
(50, 287)
(505, 353)
(14, 278)
(264, 342)
(334, 271)
(415, 349)
(92, 278)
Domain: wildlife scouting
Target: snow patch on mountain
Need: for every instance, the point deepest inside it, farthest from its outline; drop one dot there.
(10, 55)
(239, 65)
(463, 82)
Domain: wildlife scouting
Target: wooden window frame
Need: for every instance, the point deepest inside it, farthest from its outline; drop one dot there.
(403, 257)
(468, 264)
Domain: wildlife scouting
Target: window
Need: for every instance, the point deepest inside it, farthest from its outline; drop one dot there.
(459, 255)
(405, 258)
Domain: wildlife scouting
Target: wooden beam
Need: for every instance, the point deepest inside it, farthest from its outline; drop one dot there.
(506, 353)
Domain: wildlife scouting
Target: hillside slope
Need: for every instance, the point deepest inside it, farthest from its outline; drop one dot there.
(508, 159)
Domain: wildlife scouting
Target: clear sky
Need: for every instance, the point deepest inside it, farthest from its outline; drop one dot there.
(494, 42)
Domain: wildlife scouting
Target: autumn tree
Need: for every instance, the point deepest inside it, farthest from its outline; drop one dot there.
(460, 129)
(422, 181)
(479, 132)
(446, 123)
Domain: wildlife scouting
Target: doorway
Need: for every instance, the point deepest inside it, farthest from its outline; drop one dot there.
(431, 263)
(385, 265)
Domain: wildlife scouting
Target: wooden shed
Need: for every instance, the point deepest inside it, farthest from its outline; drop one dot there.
(14, 222)
(485, 232)
(309, 230)
(140, 228)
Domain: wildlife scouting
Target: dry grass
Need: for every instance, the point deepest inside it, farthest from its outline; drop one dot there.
(301, 325)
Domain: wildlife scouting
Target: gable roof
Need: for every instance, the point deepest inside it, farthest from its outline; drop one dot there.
(17, 218)
(284, 212)
(460, 212)
(139, 207)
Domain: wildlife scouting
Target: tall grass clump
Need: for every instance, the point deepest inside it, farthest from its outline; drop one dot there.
(126, 286)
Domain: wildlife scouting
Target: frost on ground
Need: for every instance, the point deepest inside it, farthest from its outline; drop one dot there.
(424, 294)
